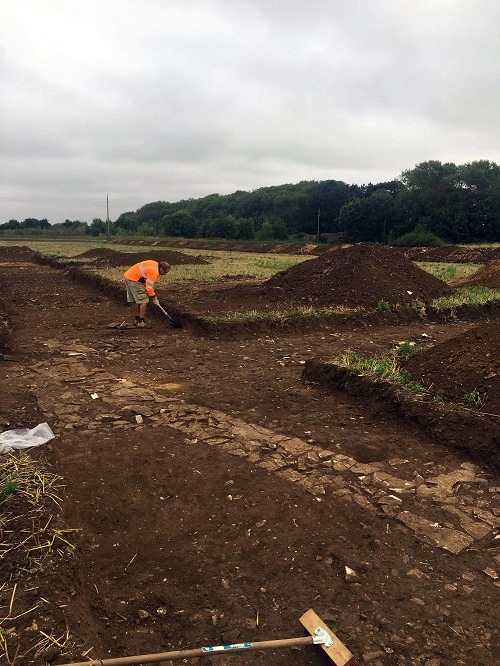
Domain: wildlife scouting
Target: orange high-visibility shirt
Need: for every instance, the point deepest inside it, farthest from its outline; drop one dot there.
(144, 269)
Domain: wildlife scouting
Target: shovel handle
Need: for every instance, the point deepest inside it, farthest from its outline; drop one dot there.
(197, 652)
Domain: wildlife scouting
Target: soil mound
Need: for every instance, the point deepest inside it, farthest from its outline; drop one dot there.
(457, 254)
(488, 276)
(16, 253)
(358, 275)
(104, 256)
(464, 364)
(233, 246)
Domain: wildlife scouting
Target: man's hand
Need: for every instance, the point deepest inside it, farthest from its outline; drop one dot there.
(155, 301)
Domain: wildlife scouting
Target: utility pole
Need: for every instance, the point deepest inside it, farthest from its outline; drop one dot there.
(317, 238)
(107, 215)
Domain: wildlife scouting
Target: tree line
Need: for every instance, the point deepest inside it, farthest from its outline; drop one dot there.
(430, 204)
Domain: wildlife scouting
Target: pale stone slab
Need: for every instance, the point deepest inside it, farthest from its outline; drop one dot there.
(476, 529)
(443, 537)
(295, 446)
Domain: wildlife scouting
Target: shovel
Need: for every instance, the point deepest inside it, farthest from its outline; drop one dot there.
(319, 634)
(171, 321)
(7, 357)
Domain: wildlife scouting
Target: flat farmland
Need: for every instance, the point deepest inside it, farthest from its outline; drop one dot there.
(233, 473)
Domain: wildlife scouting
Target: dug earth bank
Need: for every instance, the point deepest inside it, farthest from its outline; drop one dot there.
(216, 495)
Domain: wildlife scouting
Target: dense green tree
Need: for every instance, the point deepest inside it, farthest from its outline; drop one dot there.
(181, 224)
(461, 202)
(127, 222)
(225, 227)
(266, 232)
(350, 221)
(71, 224)
(245, 228)
(458, 203)
(97, 228)
(33, 223)
(152, 212)
(11, 224)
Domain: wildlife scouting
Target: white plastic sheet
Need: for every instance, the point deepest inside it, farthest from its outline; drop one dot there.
(24, 438)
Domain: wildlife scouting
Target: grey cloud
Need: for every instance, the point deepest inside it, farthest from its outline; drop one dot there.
(170, 100)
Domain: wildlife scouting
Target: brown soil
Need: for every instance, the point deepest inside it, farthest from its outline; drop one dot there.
(359, 276)
(105, 256)
(16, 253)
(488, 276)
(453, 254)
(444, 253)
(218, 494)
(463, 365)
(235, 246)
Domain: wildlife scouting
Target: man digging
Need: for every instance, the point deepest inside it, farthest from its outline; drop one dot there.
(139, 281)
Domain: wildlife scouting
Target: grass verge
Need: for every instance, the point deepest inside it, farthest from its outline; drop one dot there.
(467, 296)
(283, 313)
(386, 368)
(444, 271)
(30, 543)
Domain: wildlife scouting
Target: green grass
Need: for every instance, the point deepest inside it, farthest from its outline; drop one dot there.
(472, 400)
(405, 349)
(283, 313)
(386, 368)
(383, 305)
(56, 248)
(8, 485)
(37, 488)
(446, 272)
(221, 266)
(467, 296)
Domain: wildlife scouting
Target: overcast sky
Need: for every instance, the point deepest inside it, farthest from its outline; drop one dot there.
(149, 100)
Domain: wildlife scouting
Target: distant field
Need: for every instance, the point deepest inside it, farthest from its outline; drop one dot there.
(221, 263)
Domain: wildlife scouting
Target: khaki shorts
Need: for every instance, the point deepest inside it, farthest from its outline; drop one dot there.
(136, 292)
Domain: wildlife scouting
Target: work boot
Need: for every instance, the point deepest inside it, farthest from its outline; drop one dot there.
(140, 322)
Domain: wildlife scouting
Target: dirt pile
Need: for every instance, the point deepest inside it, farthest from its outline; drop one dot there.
(357, 275)
(462, 365)
(453, 254)
(233, 246)
(16, 253)
(488, 276)
(106, 257)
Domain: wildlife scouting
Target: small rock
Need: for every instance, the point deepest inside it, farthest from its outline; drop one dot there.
(350, 575)
(417, 573)
(491, 573)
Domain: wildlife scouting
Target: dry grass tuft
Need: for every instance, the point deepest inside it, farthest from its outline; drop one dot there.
(29, 542)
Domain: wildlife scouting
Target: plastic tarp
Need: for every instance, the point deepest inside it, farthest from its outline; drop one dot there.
(24, 438)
